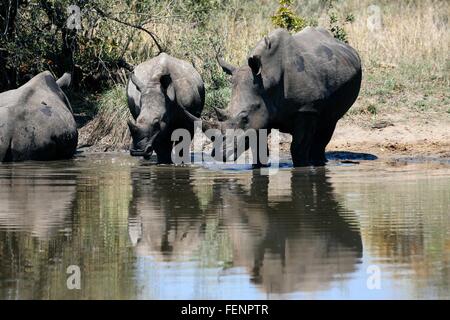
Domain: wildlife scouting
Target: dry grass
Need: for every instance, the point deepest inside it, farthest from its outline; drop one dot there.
(406, 63)
(108, 130)
(407, 66)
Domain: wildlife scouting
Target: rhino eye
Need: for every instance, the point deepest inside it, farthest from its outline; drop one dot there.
(244, 119)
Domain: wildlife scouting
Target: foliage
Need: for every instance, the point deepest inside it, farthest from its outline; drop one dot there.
(336, 26)
(286, 18)
(39, 39)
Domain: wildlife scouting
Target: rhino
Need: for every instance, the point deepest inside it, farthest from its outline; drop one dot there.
(37, 122)
(160, 91)
(300, 84)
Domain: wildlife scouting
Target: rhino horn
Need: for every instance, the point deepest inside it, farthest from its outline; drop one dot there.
(226, 67)
(133, 127)
(206, 125)
(64, 81)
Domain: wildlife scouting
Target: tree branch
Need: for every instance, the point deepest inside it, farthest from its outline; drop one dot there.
(139, 27)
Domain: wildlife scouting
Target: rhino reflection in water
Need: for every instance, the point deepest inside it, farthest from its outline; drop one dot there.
(35, 203)
(287, 238)
(165, 217)
(297, 241)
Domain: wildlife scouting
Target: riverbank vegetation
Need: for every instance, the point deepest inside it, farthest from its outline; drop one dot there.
(403, 45)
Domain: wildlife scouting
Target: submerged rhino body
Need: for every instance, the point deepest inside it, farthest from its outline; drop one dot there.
(301, 84)
(36, 121)
(159, 92)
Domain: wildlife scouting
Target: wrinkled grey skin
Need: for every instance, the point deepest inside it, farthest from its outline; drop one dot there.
(159, 92)
(301, 84)
(36, 121)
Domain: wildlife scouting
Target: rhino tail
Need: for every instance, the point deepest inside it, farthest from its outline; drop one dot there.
(65, 80)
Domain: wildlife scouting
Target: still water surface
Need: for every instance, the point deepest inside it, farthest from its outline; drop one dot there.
(140, 231)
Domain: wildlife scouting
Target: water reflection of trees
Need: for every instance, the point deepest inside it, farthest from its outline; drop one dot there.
(287, 230)
(405, 223)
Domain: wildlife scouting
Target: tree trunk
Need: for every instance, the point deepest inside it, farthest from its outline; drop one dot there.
(8, 14)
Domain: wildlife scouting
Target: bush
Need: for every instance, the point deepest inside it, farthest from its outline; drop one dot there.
(39, 38)
(286, 18)
(336, 25)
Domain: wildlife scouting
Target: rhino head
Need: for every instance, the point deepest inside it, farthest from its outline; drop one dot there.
(249, 108)
(155, 116)
(254, 85)
(257, 89)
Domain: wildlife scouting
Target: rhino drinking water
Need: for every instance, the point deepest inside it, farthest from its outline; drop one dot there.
(36, 121)
(301, 84)
(159, 92)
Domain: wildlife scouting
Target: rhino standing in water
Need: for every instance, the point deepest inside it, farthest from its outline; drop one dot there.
(301, 84)
(159, 92)
(36, 121)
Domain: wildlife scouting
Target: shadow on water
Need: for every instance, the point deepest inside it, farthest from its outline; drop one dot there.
(288, 231)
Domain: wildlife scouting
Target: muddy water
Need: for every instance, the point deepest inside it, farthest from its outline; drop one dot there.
(138, 231)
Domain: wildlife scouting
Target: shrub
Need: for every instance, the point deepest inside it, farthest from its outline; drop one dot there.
(286, 18)
(336, 25)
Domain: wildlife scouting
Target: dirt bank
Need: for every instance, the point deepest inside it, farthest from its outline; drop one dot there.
(395, 135)
(417, 135)
(398, 134)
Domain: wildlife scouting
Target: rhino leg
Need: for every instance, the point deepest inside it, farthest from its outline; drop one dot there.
(164, 152)
(321, 139)
(5, 135)
(302, 138)
(261, 160)
(5, 150)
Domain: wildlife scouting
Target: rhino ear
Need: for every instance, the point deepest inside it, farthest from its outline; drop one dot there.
(254, 63)
(167, 86)
(138, 83)
(267, 42)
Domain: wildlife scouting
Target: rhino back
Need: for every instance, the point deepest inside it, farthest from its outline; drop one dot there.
(316, 65)
(41, 118)
(187, 82)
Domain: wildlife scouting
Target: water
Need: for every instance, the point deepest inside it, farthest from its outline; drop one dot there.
(140, 231)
